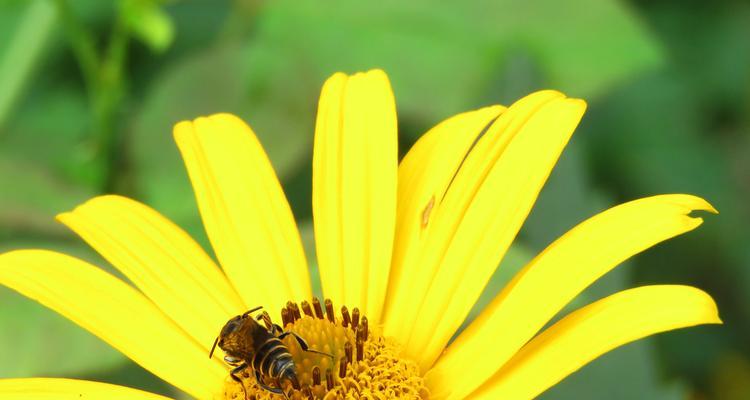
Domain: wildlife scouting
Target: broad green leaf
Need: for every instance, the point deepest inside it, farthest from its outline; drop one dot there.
(219, 79)
(443, 57)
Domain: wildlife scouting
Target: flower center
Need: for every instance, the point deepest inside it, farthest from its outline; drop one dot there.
(364, 364)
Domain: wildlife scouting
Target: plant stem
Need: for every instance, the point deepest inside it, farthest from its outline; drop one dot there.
(82, 44)
(109, 101)
(103, 77)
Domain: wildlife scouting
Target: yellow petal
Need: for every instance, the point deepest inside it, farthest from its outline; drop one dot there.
(244, 211)
(480, 214)
(116, 313)
(68, 389)
(423, 177)
(407, 293)
(354, 188)
(594, 330)
(551, 280)
(162, 260)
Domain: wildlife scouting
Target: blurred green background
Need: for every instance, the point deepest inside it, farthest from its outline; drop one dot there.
(89, 91)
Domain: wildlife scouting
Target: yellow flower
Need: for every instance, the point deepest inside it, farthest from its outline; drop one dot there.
(411, 245)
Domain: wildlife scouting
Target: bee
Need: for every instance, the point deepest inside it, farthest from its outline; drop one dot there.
(247, 344)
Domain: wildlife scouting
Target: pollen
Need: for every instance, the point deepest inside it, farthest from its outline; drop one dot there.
(364, 364)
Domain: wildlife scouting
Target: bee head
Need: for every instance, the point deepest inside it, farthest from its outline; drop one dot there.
(232, 326)
(233, 337)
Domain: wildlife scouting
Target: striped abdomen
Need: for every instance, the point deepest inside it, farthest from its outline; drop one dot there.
(272, 359)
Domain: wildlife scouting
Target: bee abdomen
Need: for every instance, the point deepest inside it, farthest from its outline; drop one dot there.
(273, 359)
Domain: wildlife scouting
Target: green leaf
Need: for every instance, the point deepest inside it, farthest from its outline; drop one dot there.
(26, 25)
(443, 57)
(149, 23)
(225, 78)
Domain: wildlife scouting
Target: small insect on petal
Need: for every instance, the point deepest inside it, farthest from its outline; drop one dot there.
(427, 211)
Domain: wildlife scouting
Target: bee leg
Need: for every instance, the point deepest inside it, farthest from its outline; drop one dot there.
(275, 327)
(267, 321)
(303, 344)
(237, 379)
(295, 385)
(259, 379)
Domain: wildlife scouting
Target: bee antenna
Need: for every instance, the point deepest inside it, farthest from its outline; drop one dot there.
(248, 312)
(211, 354)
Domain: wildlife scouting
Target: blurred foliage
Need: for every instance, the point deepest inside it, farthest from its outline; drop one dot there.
(90, 91)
